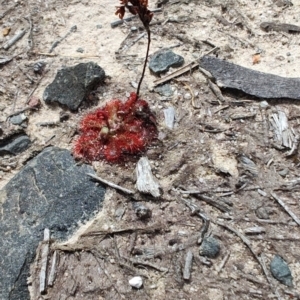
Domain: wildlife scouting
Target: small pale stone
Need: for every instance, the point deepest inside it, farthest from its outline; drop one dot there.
(187, 96)
(136, 282)
(264, 104)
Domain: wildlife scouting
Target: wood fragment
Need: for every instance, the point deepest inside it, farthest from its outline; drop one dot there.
(286, 208)
(223, 262)
(14, 39)
(255, 83)
(216, 90)
(169, 114)
(255, 230)
(274, 26)
(137, 262)
(56, 43)
(217, 204)
(150, 229)
(195, 210)
(5, 60)
(146, 182)
(188, 265)
(111, 184)
(44, 260)
(30, 38)
(53, 269)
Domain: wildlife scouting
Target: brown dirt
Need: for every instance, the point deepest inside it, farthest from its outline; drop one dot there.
(98, 261)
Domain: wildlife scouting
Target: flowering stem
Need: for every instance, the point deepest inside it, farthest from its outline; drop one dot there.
(145, 63)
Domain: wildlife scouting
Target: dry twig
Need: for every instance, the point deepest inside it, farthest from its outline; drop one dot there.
(111, 184)
(285, 207)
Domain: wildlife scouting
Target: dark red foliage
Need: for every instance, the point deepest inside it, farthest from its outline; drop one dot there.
(115, 131)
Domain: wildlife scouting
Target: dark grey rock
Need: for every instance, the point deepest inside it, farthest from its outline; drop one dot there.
(18, 119)
(80, 50)
(51, 191)
(14, 145)
(162, 60)
(73, 84)
(164, 90)
(141, 210)
(263, 213)
(281, 271)
(210, 247)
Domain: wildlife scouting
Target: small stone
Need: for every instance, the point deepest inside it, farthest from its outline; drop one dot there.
(264, 104)
(136, 282)
(283, 172)
(210, 247)
(34, 102)
(163, 60)
(142, 211)
(133, 29)
(17, 119)
(80, 50)
(281, 271)
(164, 90)
(99, 26)
(262, 213)
(63, 116)
(6, 31)
(15, 146)
(187, 96)
(38, 67)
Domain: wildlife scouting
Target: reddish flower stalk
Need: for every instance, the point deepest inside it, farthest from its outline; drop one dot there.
(138, 7)
(115, 131)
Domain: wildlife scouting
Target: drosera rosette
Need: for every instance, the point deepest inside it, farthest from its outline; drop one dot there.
(119, 129)
(116, 131)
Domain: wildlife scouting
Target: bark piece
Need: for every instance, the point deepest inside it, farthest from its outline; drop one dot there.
(146, 182)
(255, 83)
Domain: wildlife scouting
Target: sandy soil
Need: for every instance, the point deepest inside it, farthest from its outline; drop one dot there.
(190, 157)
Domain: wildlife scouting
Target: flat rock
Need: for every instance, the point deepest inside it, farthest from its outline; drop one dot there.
(51, 191)
(163, 60)
(164, 90)
(73, 84)
(281, 271)
(14, 145)
(255, 83)
(18, 119)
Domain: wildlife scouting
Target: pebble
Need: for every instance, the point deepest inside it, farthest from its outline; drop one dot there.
(80, 50)
(164, 90)
(187, 96)
(136, 282)
(17, 119)
(281, 271)
(210, 247)
(264, 104)
(162, 60)
(142, 211)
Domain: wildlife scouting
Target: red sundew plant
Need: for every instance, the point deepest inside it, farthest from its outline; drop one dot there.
(119, 128)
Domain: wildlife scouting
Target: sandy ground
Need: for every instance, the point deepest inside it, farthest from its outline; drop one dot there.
(89, 267)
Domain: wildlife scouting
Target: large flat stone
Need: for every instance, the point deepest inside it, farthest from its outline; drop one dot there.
(73, 84)
(51, 191)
